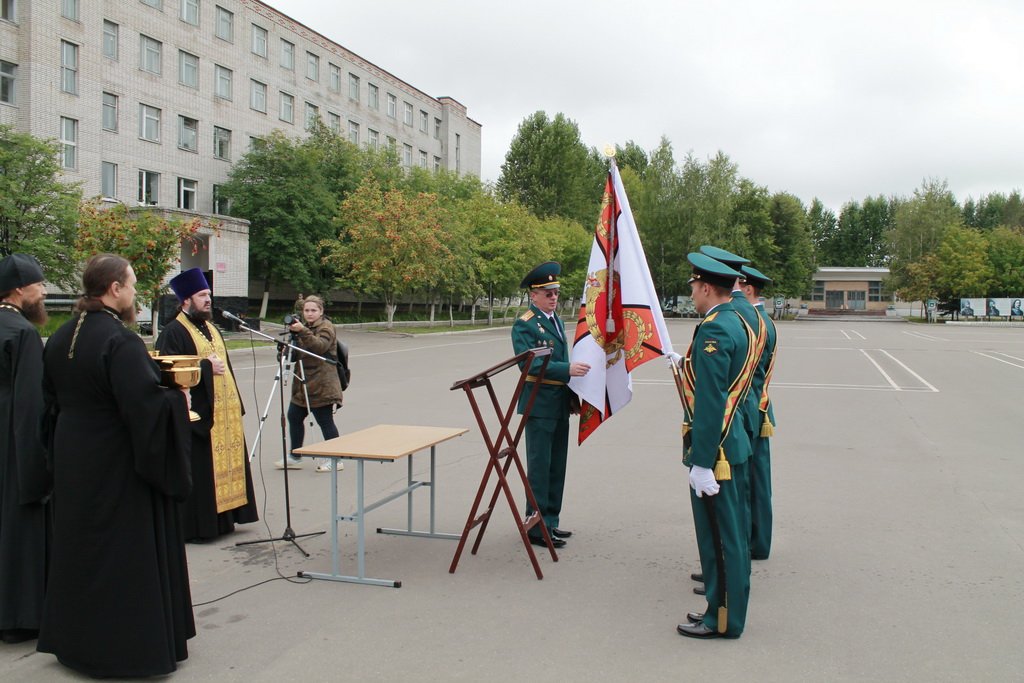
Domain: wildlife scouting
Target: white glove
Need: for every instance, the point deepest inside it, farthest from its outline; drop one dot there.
(673, 358)
(702, 481)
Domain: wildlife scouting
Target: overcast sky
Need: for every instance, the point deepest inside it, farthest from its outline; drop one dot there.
(835, 100)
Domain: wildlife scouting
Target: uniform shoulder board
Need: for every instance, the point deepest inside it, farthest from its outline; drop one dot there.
(526, 316)
(711, 317)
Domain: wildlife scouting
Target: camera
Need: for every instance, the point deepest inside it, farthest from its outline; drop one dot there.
(290, 319)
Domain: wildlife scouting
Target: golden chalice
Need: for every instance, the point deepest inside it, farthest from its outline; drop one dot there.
(179, 372)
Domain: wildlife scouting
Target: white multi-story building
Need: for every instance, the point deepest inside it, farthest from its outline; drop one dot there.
(153, 100)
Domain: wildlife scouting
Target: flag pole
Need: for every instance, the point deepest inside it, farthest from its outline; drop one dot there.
(609, 325)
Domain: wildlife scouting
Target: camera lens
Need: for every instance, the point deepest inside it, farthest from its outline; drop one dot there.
(289, 319)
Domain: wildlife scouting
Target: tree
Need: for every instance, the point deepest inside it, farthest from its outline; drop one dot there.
(656, 200)
(631, 156)
(389, 244)
(1006, 256)
(146, 237)
(550, 171)
(918, 228)
(38, 212)
(962, 267)
(824, 228)
(793, 269)
(282, 189)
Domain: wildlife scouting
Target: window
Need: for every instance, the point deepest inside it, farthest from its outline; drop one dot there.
(108, 179)
(259, 40)
(407, 113)
(222, 82)
(258, 96)
(221, 204)
(353, 132)
(149, 54)
(109, 111)
(392, 106)
(69, 9)
(222, 143)
(287, 108)
(287, 55)
(335, 78)
(407, 155)
(188, 69)
(312, 114)
(437, 128)
(110, 30)
(190, 12)
(69, 67)
(149, 187)
(874, 291)
(69, 143)
(187, 191)
(312, 67)
(149, 123)
(334, 122)
(256, 143)
(8, 76)
(353, 87)
(225, 25)
(423, 159)
(424, 120)
(392, 143)
(458, 153)
(7, 10)
(372, 96)
(188, 134)
(437, 164)
(372, 139)
(159, 4)
(818, 293)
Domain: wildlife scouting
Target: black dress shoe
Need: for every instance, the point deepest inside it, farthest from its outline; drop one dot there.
(699, 590)
(560, 533)
(698, 577)
(698, 630)
(18, 635)
(695, 617)
(556, 542)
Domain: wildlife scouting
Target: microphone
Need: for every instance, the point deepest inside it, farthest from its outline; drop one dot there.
(233, 317)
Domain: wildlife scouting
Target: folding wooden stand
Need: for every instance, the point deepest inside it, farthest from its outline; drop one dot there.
(504, 446)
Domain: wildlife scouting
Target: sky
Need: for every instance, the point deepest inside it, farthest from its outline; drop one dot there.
(835, 100)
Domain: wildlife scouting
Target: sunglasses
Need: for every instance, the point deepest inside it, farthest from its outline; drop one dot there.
(549, 293)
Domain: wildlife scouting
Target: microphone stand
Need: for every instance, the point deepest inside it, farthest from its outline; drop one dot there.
(288, 535)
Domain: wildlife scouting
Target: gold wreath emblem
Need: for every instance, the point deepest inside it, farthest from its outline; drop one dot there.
(597, 283)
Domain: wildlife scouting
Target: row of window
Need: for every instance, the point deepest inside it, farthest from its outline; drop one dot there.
(874, 291)
(151, 60)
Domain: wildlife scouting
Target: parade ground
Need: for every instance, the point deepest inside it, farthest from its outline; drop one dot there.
(898, 538)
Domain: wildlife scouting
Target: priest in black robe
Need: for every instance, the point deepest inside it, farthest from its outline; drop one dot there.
(118, 600)
(24, 481)
(222, 491)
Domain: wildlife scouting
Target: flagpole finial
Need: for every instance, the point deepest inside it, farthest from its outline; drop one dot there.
(609, 151)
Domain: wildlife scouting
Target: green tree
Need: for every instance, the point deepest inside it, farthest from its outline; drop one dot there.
(389, 244)
(631, 156)
(38, 212)
(281, 187)
(752, 215)
(549, 170)
(150, 240)
(919, 225)
(793, 267)
(656, 200)
(824, 233)
(962, 267)
(1006, 256)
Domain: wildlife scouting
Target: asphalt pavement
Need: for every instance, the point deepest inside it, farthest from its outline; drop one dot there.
(897, 554)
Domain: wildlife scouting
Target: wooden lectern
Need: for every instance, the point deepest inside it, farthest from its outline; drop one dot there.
(504, 446)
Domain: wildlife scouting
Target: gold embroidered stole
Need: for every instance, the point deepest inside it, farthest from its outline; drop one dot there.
(227, 436)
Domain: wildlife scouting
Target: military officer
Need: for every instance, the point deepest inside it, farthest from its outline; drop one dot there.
(760, 459)
(547, 427)
(717, 371)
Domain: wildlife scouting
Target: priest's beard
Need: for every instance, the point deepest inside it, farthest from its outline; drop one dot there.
(35, 312)
(197, 314)
(127, 314)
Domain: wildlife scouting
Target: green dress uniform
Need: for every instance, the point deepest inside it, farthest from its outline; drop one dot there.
(547, 427)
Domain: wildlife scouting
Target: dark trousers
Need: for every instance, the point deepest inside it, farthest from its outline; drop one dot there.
(296, 423)
(761, 499)
(731, 508)
(547, 442)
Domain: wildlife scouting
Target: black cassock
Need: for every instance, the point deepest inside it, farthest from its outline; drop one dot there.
(24, 481)
(118, 600)
(199, 516)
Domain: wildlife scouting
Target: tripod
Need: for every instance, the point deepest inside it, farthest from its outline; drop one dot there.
(282, 357)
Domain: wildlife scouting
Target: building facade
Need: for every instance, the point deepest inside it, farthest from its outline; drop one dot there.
(850, 289)
(153, 100)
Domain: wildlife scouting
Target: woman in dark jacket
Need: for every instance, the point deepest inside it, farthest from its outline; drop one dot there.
(321, 386)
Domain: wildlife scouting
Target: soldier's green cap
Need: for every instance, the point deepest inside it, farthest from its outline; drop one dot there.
(544, 276)
(727, 257)
(707, 269)
(755, 277)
